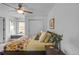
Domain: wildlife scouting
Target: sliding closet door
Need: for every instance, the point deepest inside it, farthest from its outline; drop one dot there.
(2, 30)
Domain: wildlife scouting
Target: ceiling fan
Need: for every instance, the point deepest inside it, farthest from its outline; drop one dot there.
(20, 9)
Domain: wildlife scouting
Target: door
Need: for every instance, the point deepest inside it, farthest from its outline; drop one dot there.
(1, 30)
(35, 26)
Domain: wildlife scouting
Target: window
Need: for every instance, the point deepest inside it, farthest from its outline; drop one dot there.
(12, 28)
(21, 27)
(17, 27)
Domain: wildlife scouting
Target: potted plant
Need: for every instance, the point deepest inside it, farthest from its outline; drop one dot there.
(56, 39)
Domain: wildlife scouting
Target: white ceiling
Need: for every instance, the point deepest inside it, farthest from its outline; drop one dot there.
(38, 9)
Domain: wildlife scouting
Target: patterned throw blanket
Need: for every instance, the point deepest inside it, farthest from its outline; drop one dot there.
(17, 45)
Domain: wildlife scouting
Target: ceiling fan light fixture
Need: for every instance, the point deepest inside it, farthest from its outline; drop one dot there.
(20, 11)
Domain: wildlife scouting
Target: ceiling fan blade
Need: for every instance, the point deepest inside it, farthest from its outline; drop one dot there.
(8, 5)
(28, 11)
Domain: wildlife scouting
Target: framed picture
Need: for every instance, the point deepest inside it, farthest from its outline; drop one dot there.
(52, 23)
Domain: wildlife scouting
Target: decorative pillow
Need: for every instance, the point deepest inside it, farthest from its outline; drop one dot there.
(47, 38)
(36, 37)
(42, 37)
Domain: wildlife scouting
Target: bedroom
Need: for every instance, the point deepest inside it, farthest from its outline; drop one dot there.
(66, 23)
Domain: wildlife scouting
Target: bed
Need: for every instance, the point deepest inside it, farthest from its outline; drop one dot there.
(28, 46)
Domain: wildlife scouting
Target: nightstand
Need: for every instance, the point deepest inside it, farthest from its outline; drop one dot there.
(51, 50)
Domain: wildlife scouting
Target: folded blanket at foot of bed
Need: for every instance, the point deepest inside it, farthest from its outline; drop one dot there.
(17, 44)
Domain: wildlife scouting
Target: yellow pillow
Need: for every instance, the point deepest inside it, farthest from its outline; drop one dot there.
(42, 37)
(47, 38)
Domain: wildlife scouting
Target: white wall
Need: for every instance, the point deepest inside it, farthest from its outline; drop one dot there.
(67, 21)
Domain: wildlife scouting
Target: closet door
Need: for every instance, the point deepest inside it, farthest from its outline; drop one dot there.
(2, 36)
